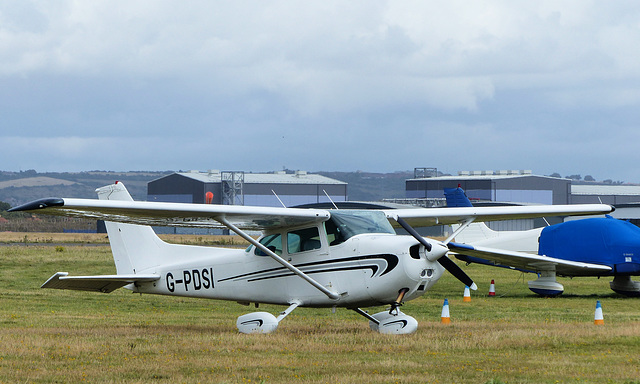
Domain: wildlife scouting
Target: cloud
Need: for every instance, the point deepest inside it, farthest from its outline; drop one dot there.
(378, 84)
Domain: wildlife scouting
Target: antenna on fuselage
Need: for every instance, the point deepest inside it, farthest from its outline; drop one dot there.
(276, 195)
(331, 200)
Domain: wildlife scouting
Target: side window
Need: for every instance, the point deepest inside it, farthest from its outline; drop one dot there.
(334, 235)
(273, 242)
(303, 240)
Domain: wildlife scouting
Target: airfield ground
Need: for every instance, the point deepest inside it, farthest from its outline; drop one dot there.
(52, 336)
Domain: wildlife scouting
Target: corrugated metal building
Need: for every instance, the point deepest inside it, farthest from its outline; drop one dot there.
(522, 187)
(252, 189)
(607, 194)
(484, 187)
(626, 199)
(500, 186)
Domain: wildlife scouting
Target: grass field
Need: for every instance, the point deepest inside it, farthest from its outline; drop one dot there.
(53, 336)
(35, 238)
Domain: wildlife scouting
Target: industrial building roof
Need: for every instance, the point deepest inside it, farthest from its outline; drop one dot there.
(605, 190)
(299, 177)
(487, 176)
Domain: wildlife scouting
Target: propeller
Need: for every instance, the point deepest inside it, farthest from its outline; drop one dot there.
(446, 262)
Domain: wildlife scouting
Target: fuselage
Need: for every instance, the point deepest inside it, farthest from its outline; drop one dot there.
(365, 270)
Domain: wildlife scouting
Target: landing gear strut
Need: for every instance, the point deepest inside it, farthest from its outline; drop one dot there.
(398, 302)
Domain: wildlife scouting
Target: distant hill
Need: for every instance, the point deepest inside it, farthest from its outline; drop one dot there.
(368, 186)
(21, 187)
(38, 181)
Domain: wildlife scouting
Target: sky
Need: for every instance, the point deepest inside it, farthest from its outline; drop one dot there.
(369, 85)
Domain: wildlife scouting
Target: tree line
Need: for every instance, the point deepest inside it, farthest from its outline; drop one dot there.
(587, 178)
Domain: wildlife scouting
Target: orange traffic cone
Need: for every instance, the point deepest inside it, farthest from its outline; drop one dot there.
(467, 294)
(599, 319)
(445, 312)
(492, 288)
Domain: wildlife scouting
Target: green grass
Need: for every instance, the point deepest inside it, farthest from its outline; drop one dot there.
(53, 336)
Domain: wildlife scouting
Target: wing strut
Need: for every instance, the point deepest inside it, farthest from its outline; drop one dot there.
(279, 259)
(460, 229)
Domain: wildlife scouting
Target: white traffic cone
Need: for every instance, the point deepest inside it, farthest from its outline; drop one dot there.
(445, 313)
(492, 288)
(467, 294)
(599, 319)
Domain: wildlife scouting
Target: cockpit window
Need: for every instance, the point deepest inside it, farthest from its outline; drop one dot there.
(273, 242)
(344, 224)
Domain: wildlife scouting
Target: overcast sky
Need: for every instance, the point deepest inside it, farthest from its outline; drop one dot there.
(380, 86)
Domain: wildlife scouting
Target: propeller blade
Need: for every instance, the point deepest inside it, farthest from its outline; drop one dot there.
(446, 262)
(456, 271)
(413, 233)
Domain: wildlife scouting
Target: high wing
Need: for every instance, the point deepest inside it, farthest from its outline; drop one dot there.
(176, 214)
(424, 217)
(524, 261)
(260, 218)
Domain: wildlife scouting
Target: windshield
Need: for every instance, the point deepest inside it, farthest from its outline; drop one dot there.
(345, 224)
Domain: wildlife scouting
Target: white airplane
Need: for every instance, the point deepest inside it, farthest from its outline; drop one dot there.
(305, 257)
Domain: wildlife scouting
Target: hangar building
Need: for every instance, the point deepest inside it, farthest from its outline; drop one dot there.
(607, 194)
(626, 199)
(521, 187)
(499, 186)
(242, 188)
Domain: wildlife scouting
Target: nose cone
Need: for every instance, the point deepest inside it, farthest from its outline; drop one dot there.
(437, 251)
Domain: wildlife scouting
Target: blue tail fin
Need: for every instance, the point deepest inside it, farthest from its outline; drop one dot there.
(456, 197)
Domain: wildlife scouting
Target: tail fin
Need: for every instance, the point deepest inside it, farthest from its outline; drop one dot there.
(474, 232)
(481, 234)
(456, 197)
(135, 248)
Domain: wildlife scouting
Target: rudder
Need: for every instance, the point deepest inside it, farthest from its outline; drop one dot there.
(135, 248)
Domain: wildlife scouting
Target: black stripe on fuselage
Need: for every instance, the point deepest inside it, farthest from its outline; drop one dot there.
(391, 260)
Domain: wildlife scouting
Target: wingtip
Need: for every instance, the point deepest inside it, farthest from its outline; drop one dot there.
(39, 204)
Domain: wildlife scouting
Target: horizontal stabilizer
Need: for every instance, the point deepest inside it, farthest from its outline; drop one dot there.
(527, 261)
(104, 283)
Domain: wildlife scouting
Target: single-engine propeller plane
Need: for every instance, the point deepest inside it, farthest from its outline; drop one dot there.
(305, 257)
(599, 246)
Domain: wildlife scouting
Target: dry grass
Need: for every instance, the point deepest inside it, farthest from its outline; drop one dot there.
(101, 238)
(49, 336)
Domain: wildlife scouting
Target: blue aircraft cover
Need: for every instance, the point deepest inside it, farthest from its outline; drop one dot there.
(607, 241)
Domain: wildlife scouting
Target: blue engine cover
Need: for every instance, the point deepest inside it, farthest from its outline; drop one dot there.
(609, 241)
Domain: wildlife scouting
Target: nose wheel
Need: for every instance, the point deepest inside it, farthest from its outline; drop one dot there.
(393, 321)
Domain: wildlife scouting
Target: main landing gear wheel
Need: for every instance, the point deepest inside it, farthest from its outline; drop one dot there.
(398, 324)
(625, 286)
(546, 284)
(262, 322)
